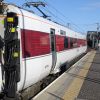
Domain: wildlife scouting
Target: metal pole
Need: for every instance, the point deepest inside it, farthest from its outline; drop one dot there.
(97, 40)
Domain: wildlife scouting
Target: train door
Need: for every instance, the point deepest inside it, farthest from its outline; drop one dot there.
(53, 48)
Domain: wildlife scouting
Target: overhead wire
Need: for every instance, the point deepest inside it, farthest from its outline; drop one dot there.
(64, 16)
(53, 15)
(56, 17)
(62, 21)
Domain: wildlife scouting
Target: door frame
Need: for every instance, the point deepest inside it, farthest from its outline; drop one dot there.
(53, 48)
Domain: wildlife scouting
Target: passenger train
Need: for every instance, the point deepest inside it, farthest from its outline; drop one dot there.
(42, 46)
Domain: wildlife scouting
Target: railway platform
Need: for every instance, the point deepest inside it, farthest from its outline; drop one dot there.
(80, 82)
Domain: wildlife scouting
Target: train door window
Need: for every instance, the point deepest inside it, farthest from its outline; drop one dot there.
(52, 34)
(66, 42)
(74, 42)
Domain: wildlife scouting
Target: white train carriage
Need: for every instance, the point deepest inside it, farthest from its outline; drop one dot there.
(44, 46)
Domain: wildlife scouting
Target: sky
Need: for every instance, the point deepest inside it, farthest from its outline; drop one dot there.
(80, 15)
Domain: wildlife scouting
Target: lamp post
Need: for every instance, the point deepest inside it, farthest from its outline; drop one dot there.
(97, 39)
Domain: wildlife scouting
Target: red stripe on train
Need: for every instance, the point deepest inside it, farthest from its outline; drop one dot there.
(35, 43)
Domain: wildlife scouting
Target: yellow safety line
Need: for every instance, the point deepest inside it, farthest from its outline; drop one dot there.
(74, 88)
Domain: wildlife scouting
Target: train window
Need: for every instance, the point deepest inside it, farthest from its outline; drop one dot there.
(52, 33)
(75, 43)
(66, 42)
(71, 42)
(62, 32)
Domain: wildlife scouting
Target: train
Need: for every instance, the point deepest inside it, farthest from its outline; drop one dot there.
(34, 47)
